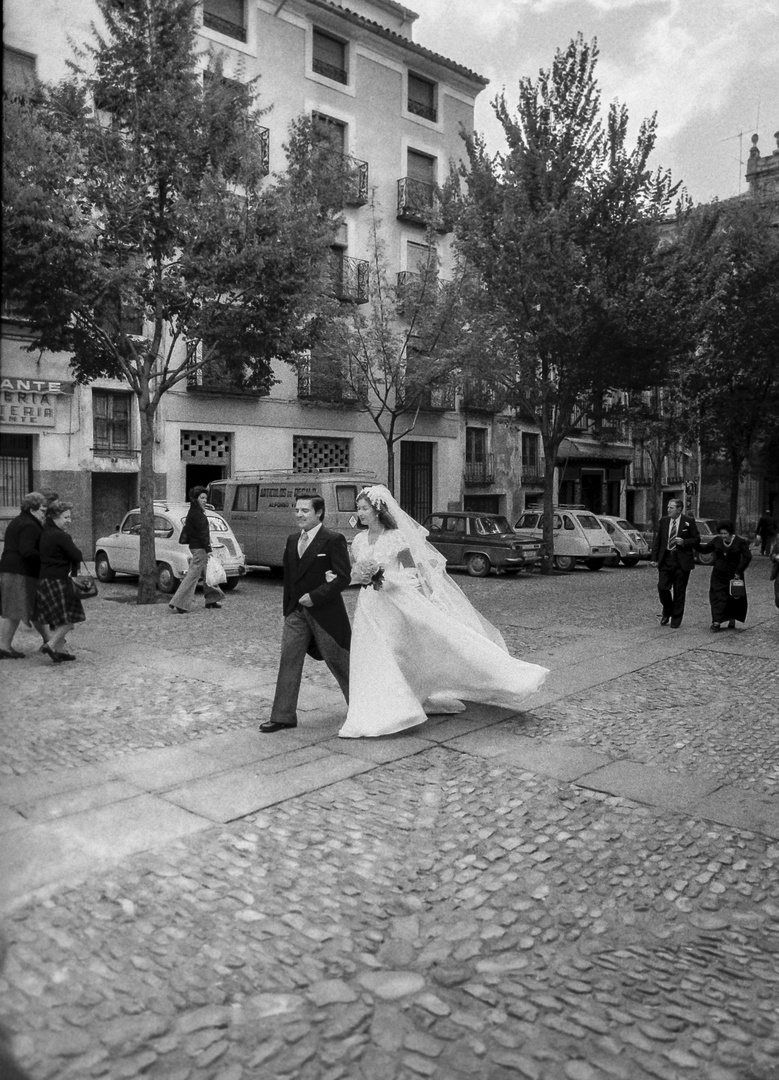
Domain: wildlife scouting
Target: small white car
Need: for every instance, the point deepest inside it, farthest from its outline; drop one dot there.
(119, 553)
(626, 538)
(578, 537)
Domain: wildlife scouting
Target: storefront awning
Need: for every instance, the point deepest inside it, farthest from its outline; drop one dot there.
(581, 450)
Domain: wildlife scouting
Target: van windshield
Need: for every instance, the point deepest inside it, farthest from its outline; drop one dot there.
(216, 496)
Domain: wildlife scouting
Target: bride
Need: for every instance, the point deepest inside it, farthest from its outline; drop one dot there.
(418, 645)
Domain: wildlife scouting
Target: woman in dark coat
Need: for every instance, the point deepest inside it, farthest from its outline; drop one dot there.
(198, 536)
(19, 569)
(56, 603)
(731, 558)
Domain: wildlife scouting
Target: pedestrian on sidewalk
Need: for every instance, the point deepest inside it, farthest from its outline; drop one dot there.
(731, 558)
(419, 646)
(774, 553)
(56, 602)
(316, 572)
(197, 534)
(20, 566)
(676, 539)
(767, 529)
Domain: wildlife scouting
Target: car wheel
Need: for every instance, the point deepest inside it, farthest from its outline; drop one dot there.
(230, 584)
(612, 561)
(594, 564)
(564, 562)
(630, 562)
(103, 571)
(166, 582)
(478, 565)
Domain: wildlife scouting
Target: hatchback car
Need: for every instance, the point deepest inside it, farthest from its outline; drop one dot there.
(626, 538)
(481, 542)
(119, 553)
(578, 536)
(707, 527)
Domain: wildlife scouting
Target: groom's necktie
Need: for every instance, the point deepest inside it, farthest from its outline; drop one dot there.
(302, 543)
(672, 531)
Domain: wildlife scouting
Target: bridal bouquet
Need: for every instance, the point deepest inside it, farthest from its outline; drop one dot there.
(368, 572)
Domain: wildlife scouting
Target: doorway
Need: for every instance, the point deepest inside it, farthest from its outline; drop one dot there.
(416, 479)
(201, 476)
(113, 494)
(592, 490)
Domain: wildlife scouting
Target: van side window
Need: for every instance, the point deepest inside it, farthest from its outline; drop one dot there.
(346, 498)
(245, 499)
(216, 496)
(557, 522)
(568, 524)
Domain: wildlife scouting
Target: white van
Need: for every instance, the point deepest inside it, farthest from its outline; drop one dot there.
(578, 536)
(259, 507)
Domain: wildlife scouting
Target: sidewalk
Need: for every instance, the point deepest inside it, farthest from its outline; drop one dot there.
(483, 896)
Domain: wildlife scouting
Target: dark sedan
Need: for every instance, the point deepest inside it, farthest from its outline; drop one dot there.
(481, 542)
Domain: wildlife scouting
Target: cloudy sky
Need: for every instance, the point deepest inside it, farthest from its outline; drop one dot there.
(709, 68)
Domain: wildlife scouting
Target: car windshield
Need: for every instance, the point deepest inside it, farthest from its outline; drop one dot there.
(587, 521)
(623, 524)
(492, 526)
(215, 523)
(529, 521)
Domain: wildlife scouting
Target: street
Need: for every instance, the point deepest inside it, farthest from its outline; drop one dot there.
(584, 890)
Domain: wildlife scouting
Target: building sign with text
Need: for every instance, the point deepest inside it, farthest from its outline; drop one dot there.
(31, 402)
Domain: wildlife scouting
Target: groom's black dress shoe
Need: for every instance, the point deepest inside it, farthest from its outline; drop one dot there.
(271, 725)
(665, 620)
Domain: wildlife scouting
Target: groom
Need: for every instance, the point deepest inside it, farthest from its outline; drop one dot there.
(316, 572)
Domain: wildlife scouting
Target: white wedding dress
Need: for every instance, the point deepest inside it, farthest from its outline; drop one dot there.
(418, 650)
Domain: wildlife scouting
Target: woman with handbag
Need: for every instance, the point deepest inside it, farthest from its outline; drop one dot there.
(197, 534)
(727, 592)
(19, 570)
(56, 603)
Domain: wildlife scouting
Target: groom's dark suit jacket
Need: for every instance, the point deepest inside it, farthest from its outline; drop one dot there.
(327, 551)
(688, 535)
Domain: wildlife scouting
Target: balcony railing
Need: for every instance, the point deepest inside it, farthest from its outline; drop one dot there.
(480, 397)
(356, 187)
(330, 71)
(329, 387)
(265, 150)
(204, 381)
(430, 399)
(640, 476)
(480, 472)
(416, 200)
(533, 473)
(224, 26)
(350, 280)
(420, 108)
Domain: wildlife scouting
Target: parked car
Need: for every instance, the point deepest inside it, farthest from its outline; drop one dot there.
(578, 536)
(707, 527)
(481, 542)
(626, 538)
(119, 553)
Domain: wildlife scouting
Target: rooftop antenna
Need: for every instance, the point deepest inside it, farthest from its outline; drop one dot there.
(740, 138)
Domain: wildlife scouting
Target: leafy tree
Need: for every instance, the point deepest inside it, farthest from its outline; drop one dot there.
(730, 254)
(561, 232)
(135, 189)
(395, 355)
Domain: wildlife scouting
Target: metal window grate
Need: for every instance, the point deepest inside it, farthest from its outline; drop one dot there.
(313, 453)
(206, 446)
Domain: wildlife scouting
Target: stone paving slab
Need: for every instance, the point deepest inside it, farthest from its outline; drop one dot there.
(32, 787)
(157, 770)
(649, 784)
(562, 761)
(10, 819)
(739, 808)
(390, 748)
(238, 792)
(75, 802)
(56, 850)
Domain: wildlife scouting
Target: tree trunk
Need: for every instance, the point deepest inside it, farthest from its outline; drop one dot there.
(551, 446)
(147, 582)
(735, 483)
(391, 466)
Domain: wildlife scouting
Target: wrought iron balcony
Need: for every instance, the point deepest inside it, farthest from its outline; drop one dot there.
(416, 200)
(480, 472)
(330, 71)
(350, 279)
(224, 26)
(640, 476)
(479, 396)
(265, 150)
(420, 108)
(329, 386)
(439, 398)
(356, 192)
(533, 473)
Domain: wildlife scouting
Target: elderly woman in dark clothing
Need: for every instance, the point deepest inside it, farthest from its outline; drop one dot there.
(198, 536)
(19, 569)
(56, 603)
(731, 558)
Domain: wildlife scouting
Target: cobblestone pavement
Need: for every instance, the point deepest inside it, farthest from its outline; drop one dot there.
(584, 890)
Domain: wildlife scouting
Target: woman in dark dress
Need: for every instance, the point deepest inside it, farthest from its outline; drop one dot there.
(56, 603)
(19, 568)
(731, 558)
(198, 536)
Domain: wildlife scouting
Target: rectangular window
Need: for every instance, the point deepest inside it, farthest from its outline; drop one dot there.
(15, 468)
(346, 498)
(329, 57)
(245, 500)
(475, 445)
(226, 17)
(419, 258)
(421, 167)
(530, 454)
(111, 421)
(421, 97)
(330, 131)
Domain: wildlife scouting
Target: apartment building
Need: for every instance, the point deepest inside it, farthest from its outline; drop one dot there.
(395, 109)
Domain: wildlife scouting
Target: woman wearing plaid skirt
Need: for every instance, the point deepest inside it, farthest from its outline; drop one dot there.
(56, 603)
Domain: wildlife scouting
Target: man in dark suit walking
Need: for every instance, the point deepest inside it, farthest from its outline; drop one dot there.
(673, 549)
(316, 572)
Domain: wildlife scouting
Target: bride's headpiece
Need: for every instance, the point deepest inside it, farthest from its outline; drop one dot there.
(377, 495)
